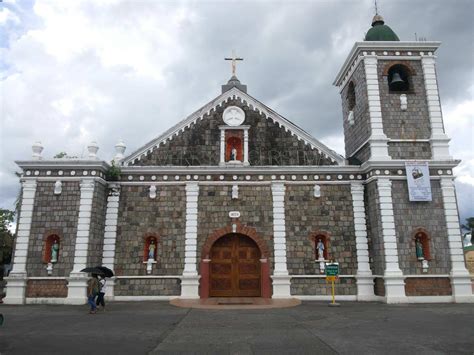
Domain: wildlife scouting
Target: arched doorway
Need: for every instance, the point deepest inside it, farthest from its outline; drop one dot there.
(235, 267)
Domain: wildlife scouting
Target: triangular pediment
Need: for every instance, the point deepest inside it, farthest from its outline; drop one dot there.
(321, 154)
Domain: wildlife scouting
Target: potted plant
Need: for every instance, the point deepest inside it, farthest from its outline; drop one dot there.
(113, 172)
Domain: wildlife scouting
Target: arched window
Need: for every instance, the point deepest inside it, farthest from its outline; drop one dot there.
(351, 96)
(398, 78)
(51, 249)
(421, 244)
(150, 248)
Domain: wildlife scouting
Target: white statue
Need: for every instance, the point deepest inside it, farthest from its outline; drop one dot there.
(233, 154)
(58, 187)
(403, 102)
(317, 191)
(350, 118)
(151, 250)
(235, 191)
(320, 247)
(152, 191)
(54, 252)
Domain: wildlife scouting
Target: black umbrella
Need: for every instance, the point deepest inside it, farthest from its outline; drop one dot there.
(93, 270)
(106, 271)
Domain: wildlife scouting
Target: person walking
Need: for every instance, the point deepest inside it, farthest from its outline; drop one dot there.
(102, 290)
(92, 292)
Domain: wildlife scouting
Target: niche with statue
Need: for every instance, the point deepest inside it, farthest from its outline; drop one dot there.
(422, 248)
(51, 251)
(320, 242)
(150, 252)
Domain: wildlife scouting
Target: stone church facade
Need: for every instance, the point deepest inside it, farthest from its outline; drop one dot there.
(236, 200)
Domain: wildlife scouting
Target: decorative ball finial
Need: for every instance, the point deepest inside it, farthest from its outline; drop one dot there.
(93, 148)
(37, 148)
(119, 150)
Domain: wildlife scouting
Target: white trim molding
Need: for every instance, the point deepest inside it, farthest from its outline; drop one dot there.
(460, 278)
(77, 282)
(190, 277)
(16, 282)
(393, 276)
(281, 278)
(364, 277)
(378, 141)
(110, 234)
(439, 139)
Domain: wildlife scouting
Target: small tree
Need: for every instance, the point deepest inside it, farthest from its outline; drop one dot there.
(113, 172)
(470, 225)
(6, 237)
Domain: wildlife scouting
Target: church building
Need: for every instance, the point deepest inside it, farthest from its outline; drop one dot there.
(237, 201)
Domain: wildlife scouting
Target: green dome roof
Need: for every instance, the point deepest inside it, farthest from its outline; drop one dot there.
(380, 31)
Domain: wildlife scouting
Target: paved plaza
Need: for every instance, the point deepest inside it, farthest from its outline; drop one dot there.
(310, 328)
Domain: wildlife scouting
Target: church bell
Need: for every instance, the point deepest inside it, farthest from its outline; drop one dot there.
(397, 83)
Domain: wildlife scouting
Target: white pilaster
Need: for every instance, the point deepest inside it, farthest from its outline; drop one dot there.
(16, 282)
(460, 278)
(77, 282)
(281, 279)
(439, 139)
(222, 155)
(190, 277)
(110, 234)
(364, 277)
(246, 147)
(393, 276)
(378, 140)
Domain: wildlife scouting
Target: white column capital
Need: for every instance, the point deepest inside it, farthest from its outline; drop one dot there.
(192, 188)
(278, 188)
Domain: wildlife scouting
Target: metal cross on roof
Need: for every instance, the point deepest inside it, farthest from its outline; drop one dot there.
(233, 59)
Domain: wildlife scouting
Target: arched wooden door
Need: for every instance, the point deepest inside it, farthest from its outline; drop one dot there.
(235, 267)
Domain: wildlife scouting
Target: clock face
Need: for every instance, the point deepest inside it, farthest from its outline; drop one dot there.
(233, 116)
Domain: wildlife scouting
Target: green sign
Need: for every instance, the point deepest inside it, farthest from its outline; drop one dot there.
(332, 269)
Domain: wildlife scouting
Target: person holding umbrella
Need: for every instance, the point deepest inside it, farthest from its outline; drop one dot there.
(92, 292)
(102, 288)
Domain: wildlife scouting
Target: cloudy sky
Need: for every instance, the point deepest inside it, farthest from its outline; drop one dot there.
(76, 71)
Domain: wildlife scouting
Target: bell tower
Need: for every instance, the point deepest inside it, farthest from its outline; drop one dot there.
(390, 100)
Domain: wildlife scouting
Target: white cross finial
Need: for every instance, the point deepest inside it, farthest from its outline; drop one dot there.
(233, 59)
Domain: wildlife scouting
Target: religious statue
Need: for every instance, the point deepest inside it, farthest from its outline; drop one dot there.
(151, 250)
(419, 249)
(233, 154)
(58, 187)
(320, 247)
(54, 251)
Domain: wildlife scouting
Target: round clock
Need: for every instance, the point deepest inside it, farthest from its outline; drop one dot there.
(233, 116)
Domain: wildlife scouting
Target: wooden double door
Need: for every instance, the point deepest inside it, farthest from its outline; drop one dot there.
(235, 267)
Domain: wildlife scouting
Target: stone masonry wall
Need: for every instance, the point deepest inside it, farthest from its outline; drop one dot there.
(409, 150)
(429, 286)
(359, 132)
(428, 215)
(200, 144)
(319, 286)
(140, 216)
(254, 204)
(46, 288)
(147, 287)
(306, 215)
(54, 214)
(414, 123)
(374, 229)
(96, 236)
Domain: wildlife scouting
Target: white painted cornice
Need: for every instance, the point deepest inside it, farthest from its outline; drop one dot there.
(431, 46)
(63, 163)
(369, 165)
(253, 104)
(287, 169)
